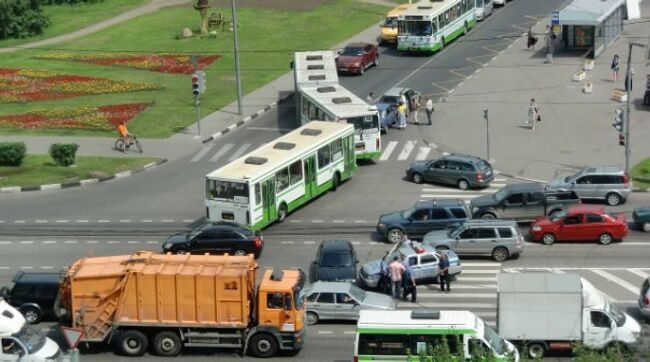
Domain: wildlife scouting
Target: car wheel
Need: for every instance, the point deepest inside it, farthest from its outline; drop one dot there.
(605, 239)
(167, 343)
(312, 318)
(239, 252)
(613, 199)
(181, 252)
(263, 345)
(500, 254)
(463, 184)
(395, 235)
(417, 178)
(536, 350)
(133, 343)
(548, 239)
(488, 216)
(32, 315)
(362, 69)
(646, 227)
(376, 61)
(282, 213)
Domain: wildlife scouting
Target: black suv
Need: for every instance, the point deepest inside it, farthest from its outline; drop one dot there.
(423, 217)
(336, 261)
(33, 294)
(464, 171)
(216, 238)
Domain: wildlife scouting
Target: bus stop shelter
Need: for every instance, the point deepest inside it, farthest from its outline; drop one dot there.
(591, 25)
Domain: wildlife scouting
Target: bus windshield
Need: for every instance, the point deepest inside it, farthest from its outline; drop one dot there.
(416, 28)
(495, 340)
(227, 190)
(367, 122)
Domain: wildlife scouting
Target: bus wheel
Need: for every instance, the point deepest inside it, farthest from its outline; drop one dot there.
(282, 213)
(465, 29)
(336, 181)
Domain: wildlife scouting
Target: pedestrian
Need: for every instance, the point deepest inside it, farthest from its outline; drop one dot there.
(547, 38)
(406, 241)
(615, 67)
(429, 108)
(402, 98)
(401, 115)
(444, 272)
(646, 95)
(408, 282)
(415, 104)
(533, 114)
(630, 78)
(384, 279)
(396, 270)
(370, 98)
(532, 40)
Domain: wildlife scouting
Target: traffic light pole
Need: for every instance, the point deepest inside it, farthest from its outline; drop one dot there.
(236, 46)
(197, 106)
(628, 88)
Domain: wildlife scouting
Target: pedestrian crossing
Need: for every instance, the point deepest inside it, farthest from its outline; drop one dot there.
(405, 151)
(430, 191)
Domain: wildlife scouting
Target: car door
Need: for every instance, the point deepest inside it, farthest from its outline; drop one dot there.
(583, 186)
(346, 307)
(325, 306)
(534, 205)
(440, 219)
(453, 172)
(208, 241)
(513, 206)
(571, 228)
(486, 240)
(593, 226)
(428, 266)
(413, 262)
(436, 171)
(419, 222)
(599, 330)
(465, 241)
(367, 55)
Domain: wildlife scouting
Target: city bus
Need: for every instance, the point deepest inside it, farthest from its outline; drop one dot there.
(388, 27)
(428, 27)
(268, 183)
(396, 335)
(337, 104)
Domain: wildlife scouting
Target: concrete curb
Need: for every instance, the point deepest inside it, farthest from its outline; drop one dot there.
(247, 119)
(10, 189)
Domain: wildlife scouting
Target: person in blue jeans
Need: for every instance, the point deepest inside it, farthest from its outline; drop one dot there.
(444, 272)
(408, 282)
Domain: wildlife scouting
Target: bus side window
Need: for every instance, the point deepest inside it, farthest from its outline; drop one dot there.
(337, 150)
(295, 172)
(282, 180)
(258, 194)
(383, 344)
(323, 156)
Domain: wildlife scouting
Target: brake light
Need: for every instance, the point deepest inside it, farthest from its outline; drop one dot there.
(257, 242)
(479, 177)
(645, 300)
(626, 180)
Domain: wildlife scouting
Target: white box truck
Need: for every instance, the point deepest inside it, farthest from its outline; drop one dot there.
(549, 311)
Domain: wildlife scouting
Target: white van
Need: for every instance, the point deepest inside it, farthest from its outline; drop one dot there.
(500, 2)
(483, 8)
(394, 335)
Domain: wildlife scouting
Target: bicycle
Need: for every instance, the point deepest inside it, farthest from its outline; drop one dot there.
(125, 144)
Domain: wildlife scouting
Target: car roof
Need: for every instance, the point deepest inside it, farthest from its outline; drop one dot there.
(395, 91)
(336, 245)
(37, 277)
(526, 186)
(576, 209)
(610, 170)
(484, 222)
(330, 287)
(440, 203)
(462, 157)
(357, 45)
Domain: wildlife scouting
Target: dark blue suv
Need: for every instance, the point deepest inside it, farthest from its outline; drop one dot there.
(423, 217)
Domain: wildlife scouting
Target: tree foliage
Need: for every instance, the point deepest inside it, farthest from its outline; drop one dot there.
(21, 18)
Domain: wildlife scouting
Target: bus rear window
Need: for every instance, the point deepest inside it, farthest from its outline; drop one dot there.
(226, 190)
(368, 122)
(383, 344)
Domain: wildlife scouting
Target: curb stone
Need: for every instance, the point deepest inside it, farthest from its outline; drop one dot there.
(247, 119)
(10, 189)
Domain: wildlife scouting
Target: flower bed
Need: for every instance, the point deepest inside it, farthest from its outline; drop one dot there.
(102, 118)
(164, 62)
(27, 85)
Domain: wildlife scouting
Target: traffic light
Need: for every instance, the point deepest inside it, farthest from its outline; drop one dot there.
(196, 87)
(618, 119)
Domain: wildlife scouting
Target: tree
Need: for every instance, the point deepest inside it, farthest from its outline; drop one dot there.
(21, 18)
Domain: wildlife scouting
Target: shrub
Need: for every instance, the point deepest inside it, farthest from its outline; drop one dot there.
(12, 153)
(64, 153)
(21, 18)
(69, 2)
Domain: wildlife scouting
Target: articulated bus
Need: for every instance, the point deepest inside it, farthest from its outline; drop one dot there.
(267, 184)
(429, 26)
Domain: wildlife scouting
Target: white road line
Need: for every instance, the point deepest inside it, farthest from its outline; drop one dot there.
(133, 242)
(40, 221)
(325, 332)
(199, 155)
(429, 196)
(356, 243)
(478, 263)
(188, 220)
(295, 220)
(460, 306)
(460, 286)
(422, 154)
(459, 295)
(146, 220)
(152, 241)
(390, 147)
(47, 267)
(19, 221)
(476, 279)
(339, 221)
(113, 242)
(488, 190)
(222, 151)
(406, 150)
(317, 221)
(27, 242)
(5, 242)
(83, 221)
(167, 220)
(287, 242)
(62, 221)
(49, 241)
(479, 271)
(4, 268)
(350, 332)
(360, 221)
(614, 279)
(309, 242)
(240, 151)
(26, 267)
(640, 273)
(103, 221)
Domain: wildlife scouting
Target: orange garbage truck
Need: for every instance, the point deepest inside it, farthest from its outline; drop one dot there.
(167, 302)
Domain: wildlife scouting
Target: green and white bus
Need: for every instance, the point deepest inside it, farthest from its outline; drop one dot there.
(429, 26)
(320, 97)
(267, 184)
(393, 335)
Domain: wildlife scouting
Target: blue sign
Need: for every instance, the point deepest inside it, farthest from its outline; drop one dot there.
(555, 19)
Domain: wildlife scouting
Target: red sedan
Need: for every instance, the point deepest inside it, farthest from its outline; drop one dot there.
(357, 57)
(582, 222)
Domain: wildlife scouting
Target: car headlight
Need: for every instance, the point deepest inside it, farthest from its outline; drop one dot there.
(356, 64)
(167, 246)
(536, 228)
(381, 226)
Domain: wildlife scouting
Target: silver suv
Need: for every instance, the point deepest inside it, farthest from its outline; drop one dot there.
(501, 239)
(609, 183)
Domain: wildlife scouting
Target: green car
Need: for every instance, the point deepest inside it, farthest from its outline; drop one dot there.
(641, 217)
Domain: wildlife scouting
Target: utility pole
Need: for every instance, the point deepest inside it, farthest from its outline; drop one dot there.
(628, 88)
(234, 30)
(487, 132)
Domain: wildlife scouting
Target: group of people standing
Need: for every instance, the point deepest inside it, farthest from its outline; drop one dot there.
(399, 276)
(409, 108)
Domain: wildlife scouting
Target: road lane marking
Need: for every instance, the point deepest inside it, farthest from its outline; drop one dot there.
(295, 220)
(390, 147)
(188, 220)
(309, 242)
(640, 273)
(133, 242)
(83, 221)
(287, 242)
(221, 152)
(360, 221)
(406, 150)
(422, 154)
(240, 151)
(446, 91)
(41, 221)
(146, 220)
(339, 221)
(103, 221)
(478, 263)
(325, 332)
(152, 242)
(49, 241)
(27, 242)
(491, 295)
(479, 271)
(113, 242)
(5, 242)
(167, 220)
(199, 155)
(62, 221)
(457, 73)
(26, 267)
(616, 280)
(317, 221)
(19, 221)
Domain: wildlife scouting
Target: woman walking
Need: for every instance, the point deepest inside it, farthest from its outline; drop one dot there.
(615, 68)
(533, 114)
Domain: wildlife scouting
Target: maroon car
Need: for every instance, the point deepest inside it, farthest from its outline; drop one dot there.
(357, 57)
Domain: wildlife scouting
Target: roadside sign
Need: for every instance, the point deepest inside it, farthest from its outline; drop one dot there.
(555, 18)
(72, 336)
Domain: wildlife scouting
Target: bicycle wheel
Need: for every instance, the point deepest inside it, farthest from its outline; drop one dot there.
(138, 146)
(120, 145)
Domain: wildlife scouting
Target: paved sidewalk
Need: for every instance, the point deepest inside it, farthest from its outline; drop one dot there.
(576, 128)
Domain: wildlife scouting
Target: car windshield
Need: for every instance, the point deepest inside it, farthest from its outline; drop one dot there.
(32, 338)
(352, 51)
(196, 231)
(357, 293)
(390, 22)
(389, 99)
(619, 317)
(571, 178)
(408, 212)
(495, 340)
(336, 259)
(227, 191)
(501, 194)
(557, 215)
(455, 232)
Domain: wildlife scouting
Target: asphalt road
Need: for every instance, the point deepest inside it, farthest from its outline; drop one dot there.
(49, 230)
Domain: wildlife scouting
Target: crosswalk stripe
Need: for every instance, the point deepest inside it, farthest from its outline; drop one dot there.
(221, 152)
(478, 263)
(640, 273)
(447, 191)
(240, 151)
(406, 150)
(613, 278)
(390, 147)
(480, 271)
(199, 155)
(422, 154)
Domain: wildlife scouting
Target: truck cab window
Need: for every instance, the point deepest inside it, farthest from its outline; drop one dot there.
(277, 301)
(600, 319)
(515, 199)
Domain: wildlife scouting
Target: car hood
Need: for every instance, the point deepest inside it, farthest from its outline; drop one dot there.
(542, 222)
(436, 236)
(333, 274)
(378, 301)
(49, 349)
(180, 238)
(483, 200)
(556, 183)
(391, 217)
(372, 267)
(347, 59)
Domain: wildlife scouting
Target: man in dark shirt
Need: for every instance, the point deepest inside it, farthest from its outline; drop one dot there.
(444, 272)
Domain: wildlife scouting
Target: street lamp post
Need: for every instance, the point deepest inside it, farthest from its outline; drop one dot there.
(487, 132)
(628, 89)
(236, 46)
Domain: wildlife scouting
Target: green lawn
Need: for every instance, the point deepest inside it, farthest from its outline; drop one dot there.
(41, 170)
(267, 40)
(68, 18)
(641, 169)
